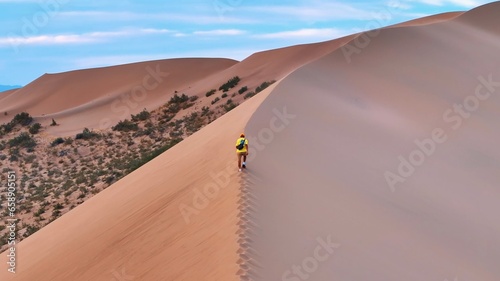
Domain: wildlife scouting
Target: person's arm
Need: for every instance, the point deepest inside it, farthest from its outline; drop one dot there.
(246, 146)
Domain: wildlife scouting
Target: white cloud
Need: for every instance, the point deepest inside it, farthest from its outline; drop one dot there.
(164, 17)
(220, 32)
(306, 33)
(313, 11)
(45, 40)
(180, 34)
(83, 38)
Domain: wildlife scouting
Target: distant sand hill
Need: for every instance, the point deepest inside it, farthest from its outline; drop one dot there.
(373, 157)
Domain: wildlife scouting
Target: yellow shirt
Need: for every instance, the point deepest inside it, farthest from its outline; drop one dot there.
(244, 147)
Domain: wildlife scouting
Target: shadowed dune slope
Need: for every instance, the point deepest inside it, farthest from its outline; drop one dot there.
(134, 230)
(322, 179)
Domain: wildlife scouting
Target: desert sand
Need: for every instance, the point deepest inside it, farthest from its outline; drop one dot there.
(316, 202)
(352, 121)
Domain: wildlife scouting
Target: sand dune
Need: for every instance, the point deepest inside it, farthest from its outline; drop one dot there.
(429, 19)
(315, 195)
(7, 93)
(135, 227)
(106, 95)
(323, 176)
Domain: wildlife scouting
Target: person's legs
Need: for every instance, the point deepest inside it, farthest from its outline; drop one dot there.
(239, 160)
(244, 161)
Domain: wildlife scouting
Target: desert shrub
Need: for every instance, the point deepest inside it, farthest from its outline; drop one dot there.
(30, 230)
(35, 128)
(56, 213)
(23, 119)
(148, 156)
(230, 105)
(57, 141)
(30, 158)
(6, 128)
(209, 93)
(175, 133)
(205, 110)
(179, 99)
(193, 98)
(249, 95)
(126, 126)
(224, 95)
(263, 86)
(40, 212)
(86, 134)
(187, 105)
(172, 108)
(242, 90)
(54, 123)
(215, 100)
(58, 206)
(193, 122)
(23, 140)
(231, 83)
(141, 116)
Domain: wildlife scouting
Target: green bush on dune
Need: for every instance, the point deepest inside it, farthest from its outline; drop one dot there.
(263, 86)
(125, 126)
(141, 116)
(242, 90)
(57, 141)
(35, 128)
(148, 156)
(249, 95)
(209, 93)
(87, 134)
(23, 119)
(231, 83)
(179, 99)
(23, 140)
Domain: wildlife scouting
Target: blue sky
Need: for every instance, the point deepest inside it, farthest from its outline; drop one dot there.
(49, 36)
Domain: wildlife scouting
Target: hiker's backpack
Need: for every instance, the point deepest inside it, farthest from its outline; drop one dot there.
(241, 145)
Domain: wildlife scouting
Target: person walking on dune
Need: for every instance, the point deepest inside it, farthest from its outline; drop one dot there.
(242, 151)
